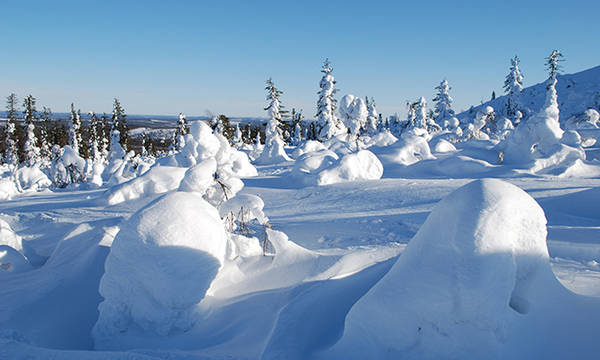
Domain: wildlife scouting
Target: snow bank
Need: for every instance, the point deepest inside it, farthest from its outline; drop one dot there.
(158, 180)
(363, 165)
(472, 268)
(160, 266)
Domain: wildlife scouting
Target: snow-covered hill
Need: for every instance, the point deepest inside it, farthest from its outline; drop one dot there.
(576, 93)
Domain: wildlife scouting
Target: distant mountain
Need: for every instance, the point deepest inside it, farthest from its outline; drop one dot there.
(576, 93)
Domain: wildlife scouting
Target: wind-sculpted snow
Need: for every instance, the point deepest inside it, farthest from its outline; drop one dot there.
(161, 264)
(363, 165)
(469, 285)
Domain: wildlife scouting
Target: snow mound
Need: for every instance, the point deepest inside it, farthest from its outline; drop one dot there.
(8, 188)
(250, 206)
(199, 177)
(363, 165)
(8, 236)
(384, 138)
(442, 146)
(157, 180)
(314, 161)
(13, 261)
(471, 268)
(308, 146)
(409, 149)
(32, 178)
(161, 265)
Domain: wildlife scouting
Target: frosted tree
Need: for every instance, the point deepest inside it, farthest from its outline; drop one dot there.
(105, 136)
(353, 113)
(44, 130)
(11, 155)
(238, 140)
(513, 85)
(119, 123)
(273, 151)
(443, 112)
(372, 125)
(297, 134)
(95, 138)
(75, 130)
(30, 148)
(329, 124)
(180, 132)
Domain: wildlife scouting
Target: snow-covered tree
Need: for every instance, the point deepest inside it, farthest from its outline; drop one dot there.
(11, 155)
(119, 122)
(513, 85)
(238, 140)
(273, 151)
(180, 132)
(443, 105)
(30, 148)
(553, 64)
(373, 118)
(297, 134)
(422, 118)
(44, 139)
(328, 123)
(353, 113)
(75, 130)
(95, 138)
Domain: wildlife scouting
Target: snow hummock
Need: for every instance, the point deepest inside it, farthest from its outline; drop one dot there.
(409, 149)
(161, 264)
(363, 165)
(471, 283)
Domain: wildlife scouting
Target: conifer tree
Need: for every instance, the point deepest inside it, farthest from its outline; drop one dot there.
(96, 137)
(296, 126)
(443, 105)
(372, 116)
(328, 122)
(11, 155)
(275, 108)
(75, 130)
(513, 85)
(119, 123)
(45, 139)
(181, 130)
(30, 148)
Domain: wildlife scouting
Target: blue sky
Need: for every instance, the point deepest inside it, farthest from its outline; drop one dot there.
(166, 57)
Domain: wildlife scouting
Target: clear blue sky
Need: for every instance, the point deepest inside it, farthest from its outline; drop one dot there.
(166, 57)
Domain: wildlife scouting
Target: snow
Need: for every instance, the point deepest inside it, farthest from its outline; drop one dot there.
(466, 284)
(363, 165)
(161, 264)
(422, 244)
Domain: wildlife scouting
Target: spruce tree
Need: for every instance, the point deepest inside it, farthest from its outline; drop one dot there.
(443, 105)
(513, 85)
(372, 117)
(275, 109)
(30, 147)
(328, 122)
(119, 122)
(75, 129)
(11, 155)
(96, 134)
(181, 130)
(45, 138)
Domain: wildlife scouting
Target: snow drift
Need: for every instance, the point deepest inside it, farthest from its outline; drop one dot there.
(160, 266)
(474, 282)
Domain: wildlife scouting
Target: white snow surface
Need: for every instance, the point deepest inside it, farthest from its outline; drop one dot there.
(161, 264)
